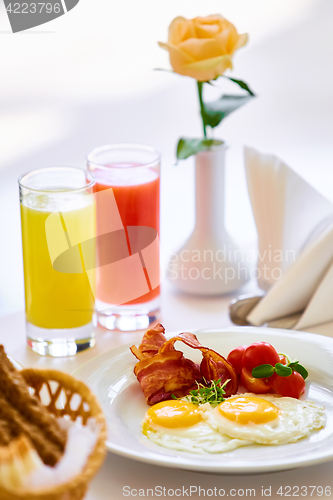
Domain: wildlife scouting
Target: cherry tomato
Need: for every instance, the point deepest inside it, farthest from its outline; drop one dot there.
(256, 385)
(235, 358)
(292, 386)
(283, 359)
(260, 353)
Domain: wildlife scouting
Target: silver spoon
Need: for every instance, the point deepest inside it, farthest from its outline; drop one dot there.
(241, 306)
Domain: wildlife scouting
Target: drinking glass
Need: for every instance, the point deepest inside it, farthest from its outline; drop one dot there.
(128, 217)
(58, 221)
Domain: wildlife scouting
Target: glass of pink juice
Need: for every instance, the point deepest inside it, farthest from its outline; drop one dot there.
(128, 228)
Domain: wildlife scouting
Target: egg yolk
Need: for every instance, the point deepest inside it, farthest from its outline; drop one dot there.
(174, 414)
(249, 410)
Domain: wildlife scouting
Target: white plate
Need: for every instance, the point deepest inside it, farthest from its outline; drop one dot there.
(111, 378)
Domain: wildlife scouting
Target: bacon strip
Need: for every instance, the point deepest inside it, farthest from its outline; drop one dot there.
(187, 338)
(162, 370)
(214, 367)
(165, 374)
(151, 342)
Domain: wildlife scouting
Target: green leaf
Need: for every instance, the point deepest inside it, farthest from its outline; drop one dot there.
(299, 369)
(216, 111)
(263, 371)
(189, 147)
(173, 396)
(242, 84)
(283, 370)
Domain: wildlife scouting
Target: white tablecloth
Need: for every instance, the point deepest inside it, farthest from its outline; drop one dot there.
(121, 478)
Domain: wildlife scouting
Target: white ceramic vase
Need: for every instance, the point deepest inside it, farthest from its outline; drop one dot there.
(209, 262)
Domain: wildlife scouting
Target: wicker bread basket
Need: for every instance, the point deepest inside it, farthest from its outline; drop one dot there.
(62, 389)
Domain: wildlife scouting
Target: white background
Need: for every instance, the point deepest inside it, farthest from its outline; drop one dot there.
(87, 79)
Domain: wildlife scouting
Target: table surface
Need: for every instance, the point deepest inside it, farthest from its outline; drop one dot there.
(120, 477)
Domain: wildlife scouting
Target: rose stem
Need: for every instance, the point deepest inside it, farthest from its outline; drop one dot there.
(202, 107)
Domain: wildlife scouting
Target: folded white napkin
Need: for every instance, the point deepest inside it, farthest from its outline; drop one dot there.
(287, 211)
(304, 222)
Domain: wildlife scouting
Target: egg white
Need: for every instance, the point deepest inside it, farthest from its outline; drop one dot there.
(296, 420)
(200, 438)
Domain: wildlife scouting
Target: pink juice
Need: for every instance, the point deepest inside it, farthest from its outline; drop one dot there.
(136, 191)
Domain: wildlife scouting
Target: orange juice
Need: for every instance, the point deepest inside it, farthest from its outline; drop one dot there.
(56, 299)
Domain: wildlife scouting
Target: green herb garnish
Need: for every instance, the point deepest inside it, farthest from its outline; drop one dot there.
(266, 371)
(299, 369)
(211, 392)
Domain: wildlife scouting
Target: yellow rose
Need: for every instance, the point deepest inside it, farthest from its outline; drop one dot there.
(202, 47)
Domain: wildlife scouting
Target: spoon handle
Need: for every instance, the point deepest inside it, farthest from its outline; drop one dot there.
(241, 306)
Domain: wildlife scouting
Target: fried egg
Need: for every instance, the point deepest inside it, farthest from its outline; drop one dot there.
(268, 419)
(179, 425)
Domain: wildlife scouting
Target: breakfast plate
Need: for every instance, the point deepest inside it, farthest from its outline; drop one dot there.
(111, 378)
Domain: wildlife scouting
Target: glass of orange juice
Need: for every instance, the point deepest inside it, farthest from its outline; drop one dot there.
(128, 227)
(58, 238)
